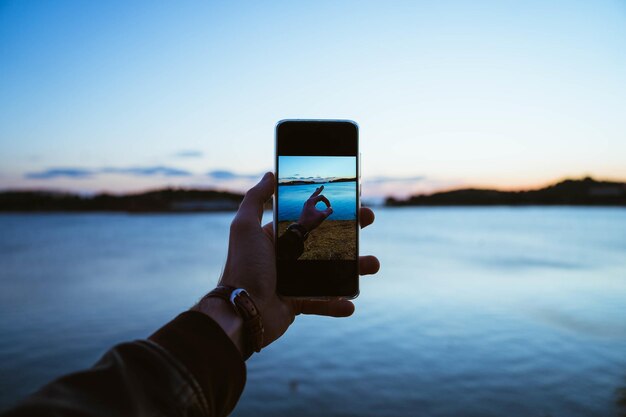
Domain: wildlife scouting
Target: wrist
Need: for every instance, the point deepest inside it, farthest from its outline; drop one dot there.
(226, 317)
(300, 229)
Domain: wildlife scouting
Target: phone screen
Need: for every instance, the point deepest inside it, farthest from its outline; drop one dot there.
(316, 208)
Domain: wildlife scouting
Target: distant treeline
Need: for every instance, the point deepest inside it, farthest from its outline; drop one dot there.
(167, 200)
(585, 192)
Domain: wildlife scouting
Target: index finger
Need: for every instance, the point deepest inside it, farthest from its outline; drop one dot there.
(319, 198)
(317, 191)
(366, 216)
(332, 308)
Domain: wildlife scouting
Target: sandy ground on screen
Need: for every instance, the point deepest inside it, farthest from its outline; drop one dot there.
(332, 240)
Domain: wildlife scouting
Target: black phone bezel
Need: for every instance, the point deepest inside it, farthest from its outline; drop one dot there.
(318, 279)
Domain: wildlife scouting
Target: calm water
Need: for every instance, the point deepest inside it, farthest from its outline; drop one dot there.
(342, 197)
(476, 311)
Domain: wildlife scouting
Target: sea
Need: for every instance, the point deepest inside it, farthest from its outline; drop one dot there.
(341, 195)
(499, 311)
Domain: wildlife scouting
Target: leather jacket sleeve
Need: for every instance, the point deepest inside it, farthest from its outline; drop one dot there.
(189, 367)
(290, 246)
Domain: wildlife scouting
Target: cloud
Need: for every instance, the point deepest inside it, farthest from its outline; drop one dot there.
(137, 171)
(149, 171)
(189, 153)
(384, 180)
(222, 174)
(81, 173)
(53, 173)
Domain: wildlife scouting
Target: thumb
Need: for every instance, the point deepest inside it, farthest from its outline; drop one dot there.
(255, 198)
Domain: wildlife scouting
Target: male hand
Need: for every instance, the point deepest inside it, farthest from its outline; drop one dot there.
(251, 264)
(311, 217)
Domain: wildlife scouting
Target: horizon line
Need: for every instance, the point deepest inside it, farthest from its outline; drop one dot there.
(218, 188)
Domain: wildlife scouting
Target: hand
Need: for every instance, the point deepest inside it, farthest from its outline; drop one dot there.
(310, 217)
(251, 264)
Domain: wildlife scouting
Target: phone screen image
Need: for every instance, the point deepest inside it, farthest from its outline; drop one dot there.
(316, 208)
(318, 193)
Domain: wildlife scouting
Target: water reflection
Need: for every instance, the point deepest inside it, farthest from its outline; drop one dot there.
(498, 311)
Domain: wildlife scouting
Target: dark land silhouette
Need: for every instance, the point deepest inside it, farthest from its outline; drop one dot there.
(166, 200)
(584, 192)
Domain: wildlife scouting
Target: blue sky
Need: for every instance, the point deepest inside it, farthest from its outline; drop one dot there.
(316, 167)
(123, 96)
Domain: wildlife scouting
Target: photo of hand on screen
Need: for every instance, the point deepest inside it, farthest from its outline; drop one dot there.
(311, 217)
(317, 208)
(292, 240)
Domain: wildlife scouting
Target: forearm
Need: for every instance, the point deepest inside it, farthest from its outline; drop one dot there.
(198, 341)
(290, 246)
(223, 314)
(188, 367)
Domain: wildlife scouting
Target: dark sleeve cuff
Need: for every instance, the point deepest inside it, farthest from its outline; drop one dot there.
(200, 344)
(290, 246)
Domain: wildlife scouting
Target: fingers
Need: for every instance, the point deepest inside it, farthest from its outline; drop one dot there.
(322, 198)
(368, 265)
(251, 207)
(366, 216)
(317, 191)
(332, 308)
(329, 209)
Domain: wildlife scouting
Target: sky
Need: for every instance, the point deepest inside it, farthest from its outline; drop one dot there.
(316, 167)
(124, 96)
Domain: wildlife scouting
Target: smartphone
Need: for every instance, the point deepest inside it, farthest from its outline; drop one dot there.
(316, 208)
